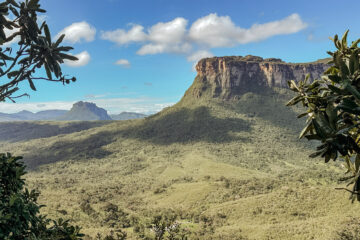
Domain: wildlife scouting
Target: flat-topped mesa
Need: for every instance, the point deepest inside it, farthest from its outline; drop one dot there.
(228, 77)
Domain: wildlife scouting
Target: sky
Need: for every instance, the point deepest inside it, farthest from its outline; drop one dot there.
(139, 55)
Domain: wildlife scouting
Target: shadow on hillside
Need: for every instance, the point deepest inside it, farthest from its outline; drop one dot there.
(187, 125)
(90, 147)
(271, 107)
(24, 131)
(182, 126)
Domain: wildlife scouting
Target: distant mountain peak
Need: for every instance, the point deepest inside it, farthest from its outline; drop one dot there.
(85, 111)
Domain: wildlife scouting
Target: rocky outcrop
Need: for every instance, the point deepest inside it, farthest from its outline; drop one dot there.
(228, 77)
(85, 111)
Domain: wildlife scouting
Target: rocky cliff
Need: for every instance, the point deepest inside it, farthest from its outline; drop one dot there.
(229, 77)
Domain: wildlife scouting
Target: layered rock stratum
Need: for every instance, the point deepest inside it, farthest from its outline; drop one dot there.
(229, 77)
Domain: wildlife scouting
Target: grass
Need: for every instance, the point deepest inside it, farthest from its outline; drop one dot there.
(229, 170)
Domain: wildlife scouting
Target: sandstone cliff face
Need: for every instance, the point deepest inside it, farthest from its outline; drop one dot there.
(228, 77)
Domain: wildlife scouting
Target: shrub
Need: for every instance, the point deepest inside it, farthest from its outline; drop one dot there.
(19, 211)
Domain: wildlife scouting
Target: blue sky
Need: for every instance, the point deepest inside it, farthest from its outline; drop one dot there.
(139, 55)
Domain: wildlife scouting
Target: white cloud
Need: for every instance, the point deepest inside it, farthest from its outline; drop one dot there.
(288, 25)
(113, 105)
(123, 62)
(84, 59)
(167, 37)
(163, 37)
(211, 31)
(169, 32)
(214, 31)
(77, 32)
(164, 48)
(120, 36)
(220, 31)
(8, 33)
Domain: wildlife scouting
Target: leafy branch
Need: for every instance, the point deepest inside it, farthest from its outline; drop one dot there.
(35, 49)
(333, 109)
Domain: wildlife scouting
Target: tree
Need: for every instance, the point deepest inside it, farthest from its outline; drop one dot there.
(333, 110)
(35, 49)
(19, 211)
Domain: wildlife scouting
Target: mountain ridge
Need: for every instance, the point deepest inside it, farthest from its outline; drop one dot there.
(231, 76)
(58, 115)
(236, 165)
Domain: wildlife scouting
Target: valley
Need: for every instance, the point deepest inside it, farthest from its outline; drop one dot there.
(227, 169)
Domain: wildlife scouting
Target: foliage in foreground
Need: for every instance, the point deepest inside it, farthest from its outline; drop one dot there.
(333, 110)
(19, 212)
(35, 48)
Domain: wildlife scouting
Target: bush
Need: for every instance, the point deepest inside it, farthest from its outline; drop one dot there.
(19, 211)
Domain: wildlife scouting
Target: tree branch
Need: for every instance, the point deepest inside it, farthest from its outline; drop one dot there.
(14, 62)
(348, 190)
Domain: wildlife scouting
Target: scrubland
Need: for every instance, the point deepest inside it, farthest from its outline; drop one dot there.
(223, 170)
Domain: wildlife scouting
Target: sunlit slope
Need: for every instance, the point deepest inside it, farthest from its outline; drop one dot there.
(239, 163)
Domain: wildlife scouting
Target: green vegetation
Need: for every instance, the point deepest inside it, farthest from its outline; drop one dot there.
(242, 174)
(204, 169)
(19, 211)
(333, 110)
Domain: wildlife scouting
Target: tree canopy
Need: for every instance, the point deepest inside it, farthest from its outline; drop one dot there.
(333, 110)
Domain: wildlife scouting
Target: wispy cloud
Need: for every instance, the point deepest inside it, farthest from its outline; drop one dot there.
(123, 62)
(94, 96)
(121, 36)
(220, 31)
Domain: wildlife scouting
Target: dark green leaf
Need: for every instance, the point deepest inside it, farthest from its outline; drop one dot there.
(60, 39)
(47, 34)
(48, 72)
(67, 56)
(13, 74)
(32, 86)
